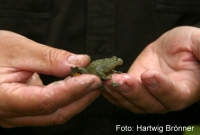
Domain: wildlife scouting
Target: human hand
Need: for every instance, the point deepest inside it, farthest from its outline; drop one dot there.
(24, 100)
(165, 76)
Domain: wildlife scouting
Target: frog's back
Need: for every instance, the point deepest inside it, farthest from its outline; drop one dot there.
(104, 65)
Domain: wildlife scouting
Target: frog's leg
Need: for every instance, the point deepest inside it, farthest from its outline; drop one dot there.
(114, 71)
(103, 76)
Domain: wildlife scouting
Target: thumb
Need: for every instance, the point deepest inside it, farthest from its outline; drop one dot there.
(24, 54)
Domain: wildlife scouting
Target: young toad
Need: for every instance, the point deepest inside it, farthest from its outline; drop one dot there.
(101, 67)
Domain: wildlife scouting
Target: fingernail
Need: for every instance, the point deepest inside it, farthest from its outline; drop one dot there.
(151, 83)
(78, 59)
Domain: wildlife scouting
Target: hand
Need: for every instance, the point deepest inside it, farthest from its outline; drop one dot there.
(165, 76)
(24, 100)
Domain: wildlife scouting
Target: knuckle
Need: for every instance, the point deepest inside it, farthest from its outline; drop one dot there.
(52, 55)
(56, 55)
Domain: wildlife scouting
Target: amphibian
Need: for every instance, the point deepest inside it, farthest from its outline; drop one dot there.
(101, 67)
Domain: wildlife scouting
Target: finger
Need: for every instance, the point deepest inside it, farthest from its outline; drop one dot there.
(135, 93)
(165, 90)
(31, 56)
(21, 99)
(60, 116)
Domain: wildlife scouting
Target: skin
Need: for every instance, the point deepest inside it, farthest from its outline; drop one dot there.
(24, 100)
(165, 76)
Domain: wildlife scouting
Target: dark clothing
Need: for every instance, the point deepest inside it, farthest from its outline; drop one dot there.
(101, 28)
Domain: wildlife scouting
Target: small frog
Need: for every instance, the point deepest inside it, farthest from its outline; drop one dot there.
(101, 67)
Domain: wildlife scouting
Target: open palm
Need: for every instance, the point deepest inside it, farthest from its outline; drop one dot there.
(165, 76)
